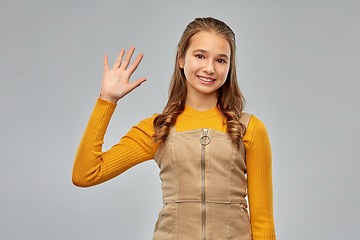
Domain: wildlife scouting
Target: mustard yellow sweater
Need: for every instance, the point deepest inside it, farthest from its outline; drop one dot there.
(92, 166)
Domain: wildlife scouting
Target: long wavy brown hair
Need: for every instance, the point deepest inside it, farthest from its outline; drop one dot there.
(230, 101)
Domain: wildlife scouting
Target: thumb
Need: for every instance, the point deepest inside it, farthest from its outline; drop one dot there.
(137, 83)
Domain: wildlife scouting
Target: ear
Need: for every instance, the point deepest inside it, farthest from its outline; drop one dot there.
(181, 63)
(181, 60)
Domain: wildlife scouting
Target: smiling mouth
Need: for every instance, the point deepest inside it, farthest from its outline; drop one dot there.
(206, 79)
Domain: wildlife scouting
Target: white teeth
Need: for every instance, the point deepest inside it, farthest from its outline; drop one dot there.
(206, 79)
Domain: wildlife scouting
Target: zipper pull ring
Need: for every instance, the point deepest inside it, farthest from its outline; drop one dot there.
(205, 139)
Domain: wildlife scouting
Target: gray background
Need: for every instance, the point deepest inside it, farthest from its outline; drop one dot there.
(298, 64)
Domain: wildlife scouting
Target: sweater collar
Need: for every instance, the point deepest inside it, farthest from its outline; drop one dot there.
(189, 111)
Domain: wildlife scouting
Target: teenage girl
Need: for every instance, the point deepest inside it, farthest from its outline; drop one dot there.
(210, 153)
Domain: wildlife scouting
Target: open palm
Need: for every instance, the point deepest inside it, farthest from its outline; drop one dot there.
(115, 83)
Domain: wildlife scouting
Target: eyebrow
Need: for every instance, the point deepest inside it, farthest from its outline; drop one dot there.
(204, 51)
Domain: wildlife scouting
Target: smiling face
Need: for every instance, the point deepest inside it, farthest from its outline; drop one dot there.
(206, 65)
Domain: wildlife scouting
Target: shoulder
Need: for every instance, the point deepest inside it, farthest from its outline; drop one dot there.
(147, 124)
(250, 121)
(255, 122)
(149, 120)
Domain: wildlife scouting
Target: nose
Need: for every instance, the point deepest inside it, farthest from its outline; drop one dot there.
(209, 67)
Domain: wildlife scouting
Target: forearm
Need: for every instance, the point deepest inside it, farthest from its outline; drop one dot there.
(87, 166)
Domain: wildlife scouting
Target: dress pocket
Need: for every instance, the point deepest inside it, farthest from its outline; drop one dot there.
(161, 215)
(238, 223)
(165, 225)
(245, 215)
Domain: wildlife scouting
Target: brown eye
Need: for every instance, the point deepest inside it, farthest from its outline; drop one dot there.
(199, 56)
(221, 61)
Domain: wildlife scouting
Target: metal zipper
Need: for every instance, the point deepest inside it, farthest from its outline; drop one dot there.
(204, 140)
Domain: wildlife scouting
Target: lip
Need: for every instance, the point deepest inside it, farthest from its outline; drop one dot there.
(204, 82)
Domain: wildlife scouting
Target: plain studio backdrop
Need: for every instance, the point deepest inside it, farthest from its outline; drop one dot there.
(298, 66)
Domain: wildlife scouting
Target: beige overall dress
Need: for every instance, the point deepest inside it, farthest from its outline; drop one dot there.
(204, 186)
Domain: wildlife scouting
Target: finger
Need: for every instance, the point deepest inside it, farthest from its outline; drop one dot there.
(137, 83)
(106, 63)
(136, 63)
(119, 58)
(127, 58)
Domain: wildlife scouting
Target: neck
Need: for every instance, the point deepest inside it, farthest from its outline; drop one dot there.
(201, 102)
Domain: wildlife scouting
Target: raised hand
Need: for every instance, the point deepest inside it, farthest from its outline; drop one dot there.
(115, 83)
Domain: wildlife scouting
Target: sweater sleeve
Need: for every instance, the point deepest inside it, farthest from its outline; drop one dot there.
(259, 174)
(92, 166)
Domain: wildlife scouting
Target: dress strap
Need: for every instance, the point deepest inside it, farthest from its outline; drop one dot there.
(172, 130)
(245, 118)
